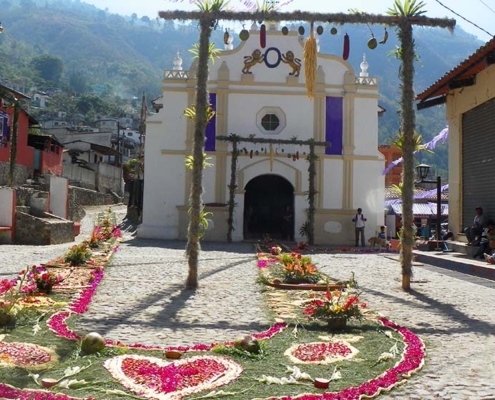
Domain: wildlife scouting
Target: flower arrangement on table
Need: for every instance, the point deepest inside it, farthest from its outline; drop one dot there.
(275, 250)
(44, 279)
(78, 254)
(103, 233)
(299, 269)
(340, 305)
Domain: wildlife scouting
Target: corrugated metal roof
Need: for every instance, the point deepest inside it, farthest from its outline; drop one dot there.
(421, 209)
(471, 66)
(391, 193)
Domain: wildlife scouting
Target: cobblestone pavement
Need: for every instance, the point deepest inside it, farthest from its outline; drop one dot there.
(13, 258)
(142, 300)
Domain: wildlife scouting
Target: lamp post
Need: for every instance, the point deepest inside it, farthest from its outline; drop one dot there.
(422, 170)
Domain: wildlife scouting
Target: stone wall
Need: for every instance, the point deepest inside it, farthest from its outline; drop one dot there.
(21, 173)
(101, 176)
(86, 197)
(42, 231)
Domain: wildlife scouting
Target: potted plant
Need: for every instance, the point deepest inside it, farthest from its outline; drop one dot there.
(78, 254)
(335, 308)
(299, 269)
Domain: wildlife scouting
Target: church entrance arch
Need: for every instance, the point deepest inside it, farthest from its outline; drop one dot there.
(269, 208)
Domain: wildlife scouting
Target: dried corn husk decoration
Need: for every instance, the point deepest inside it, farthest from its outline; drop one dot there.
(310, 62)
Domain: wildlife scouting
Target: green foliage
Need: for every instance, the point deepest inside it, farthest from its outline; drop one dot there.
(407, 8)
(304, 229)
(78, 254)
(212, 51)
(190, 112)
(190, 162)
(241, 353)
(48, 67)
(211, 5)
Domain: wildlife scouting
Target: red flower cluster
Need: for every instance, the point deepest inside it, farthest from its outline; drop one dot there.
(171, 378)
(314, 352)
(336, 304)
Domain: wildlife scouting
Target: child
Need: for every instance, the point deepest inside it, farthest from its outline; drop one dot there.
(383, 238)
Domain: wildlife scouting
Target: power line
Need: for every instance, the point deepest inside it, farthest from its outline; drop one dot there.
(487, 6)
(465, 19)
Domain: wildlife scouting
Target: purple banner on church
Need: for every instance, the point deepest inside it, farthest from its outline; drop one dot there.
(334, 125)
(211, 128)
(4, 129)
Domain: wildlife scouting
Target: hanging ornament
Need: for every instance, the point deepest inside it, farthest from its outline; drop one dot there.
(263, 36)
(372, 42)
(226, 36)
(244, 34)
(319, 30)
(347, 47)
(301, 30)
(310, 62)
(285, 31)
(385, 37)
(333, 31)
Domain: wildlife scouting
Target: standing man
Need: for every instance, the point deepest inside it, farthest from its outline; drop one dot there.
(359, 224)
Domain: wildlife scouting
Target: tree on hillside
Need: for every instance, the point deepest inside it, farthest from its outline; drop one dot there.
(145, 19)
(49, 68)
(78, 82)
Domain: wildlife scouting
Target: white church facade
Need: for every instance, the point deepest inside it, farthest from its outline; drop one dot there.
(260, 93)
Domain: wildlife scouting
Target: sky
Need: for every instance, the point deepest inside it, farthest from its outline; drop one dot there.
(480, 12)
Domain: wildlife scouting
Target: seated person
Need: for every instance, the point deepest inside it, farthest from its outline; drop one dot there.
(474, 231)
(487, 235)
(381, 239)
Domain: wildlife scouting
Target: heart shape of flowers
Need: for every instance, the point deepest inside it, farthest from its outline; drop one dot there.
(26, 355)
(160, 379)
(321, 352)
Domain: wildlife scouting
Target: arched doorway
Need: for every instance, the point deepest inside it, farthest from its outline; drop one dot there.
(269, 208)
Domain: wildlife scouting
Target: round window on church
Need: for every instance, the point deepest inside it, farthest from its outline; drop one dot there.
(270, 120)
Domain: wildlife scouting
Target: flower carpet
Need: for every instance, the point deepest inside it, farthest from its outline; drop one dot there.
(289, 360)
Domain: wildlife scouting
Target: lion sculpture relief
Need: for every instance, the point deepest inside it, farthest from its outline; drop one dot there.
(293, 62)
(249, 61)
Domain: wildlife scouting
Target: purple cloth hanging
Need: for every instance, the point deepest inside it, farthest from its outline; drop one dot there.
(334, 130)
(211, 127)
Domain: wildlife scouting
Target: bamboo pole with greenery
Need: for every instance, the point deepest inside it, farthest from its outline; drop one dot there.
(195, 200)
(211, 11)
(408, 127)
(312, 158)
(407, 12)
(232, 188)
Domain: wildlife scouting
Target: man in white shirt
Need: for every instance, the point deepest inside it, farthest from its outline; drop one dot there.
(359, 224)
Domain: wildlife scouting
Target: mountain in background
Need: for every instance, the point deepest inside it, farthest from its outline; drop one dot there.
(112, 55)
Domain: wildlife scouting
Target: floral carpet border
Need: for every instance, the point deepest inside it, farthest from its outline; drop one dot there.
(412, 359)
